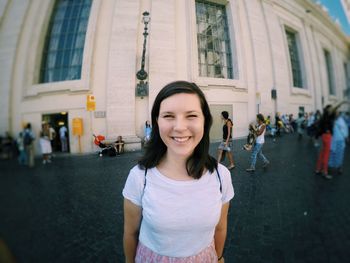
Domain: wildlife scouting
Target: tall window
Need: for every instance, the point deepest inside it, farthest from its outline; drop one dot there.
(294, 59)
(64, 45)
(214, 52)
(329, 68)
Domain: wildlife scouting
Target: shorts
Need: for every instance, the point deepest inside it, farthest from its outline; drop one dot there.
(225, 148)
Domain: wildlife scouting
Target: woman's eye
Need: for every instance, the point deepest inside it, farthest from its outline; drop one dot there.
(168, 116)
(192, 116)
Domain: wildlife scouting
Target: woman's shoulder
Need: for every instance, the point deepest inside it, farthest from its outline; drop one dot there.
(223, 171)
(137, 169)
(136, 176)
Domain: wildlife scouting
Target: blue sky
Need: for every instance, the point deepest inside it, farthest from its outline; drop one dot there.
(335, 9)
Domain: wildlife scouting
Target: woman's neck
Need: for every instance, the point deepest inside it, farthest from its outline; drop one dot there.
(174, 167)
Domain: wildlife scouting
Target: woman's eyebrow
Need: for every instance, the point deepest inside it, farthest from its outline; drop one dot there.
(192, 111)
(170, 112)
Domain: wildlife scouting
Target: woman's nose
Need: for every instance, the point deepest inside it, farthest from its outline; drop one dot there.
(180, 124)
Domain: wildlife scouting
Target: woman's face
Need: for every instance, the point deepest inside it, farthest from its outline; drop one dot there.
(181, 124)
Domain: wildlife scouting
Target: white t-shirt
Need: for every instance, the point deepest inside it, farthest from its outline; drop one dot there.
(63, 131)
(178, 217)
(261, 138)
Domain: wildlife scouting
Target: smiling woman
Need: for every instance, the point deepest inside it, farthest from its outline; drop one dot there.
(181, 126)
(176, 199)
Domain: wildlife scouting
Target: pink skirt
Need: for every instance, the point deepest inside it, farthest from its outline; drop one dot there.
(145, 255)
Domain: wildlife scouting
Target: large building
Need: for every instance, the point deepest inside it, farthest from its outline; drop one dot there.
(248, 56)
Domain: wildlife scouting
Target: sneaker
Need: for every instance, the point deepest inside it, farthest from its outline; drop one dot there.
(317, 172)
(266, 164)
(231, 167)
(250, 169)
(327, 176)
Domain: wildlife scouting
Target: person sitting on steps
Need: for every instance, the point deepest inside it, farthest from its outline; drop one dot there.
(119, 145)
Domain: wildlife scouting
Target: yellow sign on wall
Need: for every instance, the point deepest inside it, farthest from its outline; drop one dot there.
(90, 103)
(77, 126)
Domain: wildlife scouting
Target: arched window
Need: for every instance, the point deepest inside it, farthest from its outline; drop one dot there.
(64, 46)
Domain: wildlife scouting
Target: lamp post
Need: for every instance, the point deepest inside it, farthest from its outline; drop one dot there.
(141, 75)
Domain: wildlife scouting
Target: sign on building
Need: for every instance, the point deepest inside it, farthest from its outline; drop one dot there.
(90, 103)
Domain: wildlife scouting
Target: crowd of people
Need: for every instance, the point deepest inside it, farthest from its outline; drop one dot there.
(331, 128)
(22, 146)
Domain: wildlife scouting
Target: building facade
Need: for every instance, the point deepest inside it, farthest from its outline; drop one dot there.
(346, 8)
(253, 56)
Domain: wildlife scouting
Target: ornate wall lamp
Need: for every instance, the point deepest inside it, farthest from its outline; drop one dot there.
(141, 75)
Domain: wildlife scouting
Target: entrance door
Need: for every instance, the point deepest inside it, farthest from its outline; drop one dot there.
(56, 121)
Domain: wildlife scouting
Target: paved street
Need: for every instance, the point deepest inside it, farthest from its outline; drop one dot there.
(71, 210)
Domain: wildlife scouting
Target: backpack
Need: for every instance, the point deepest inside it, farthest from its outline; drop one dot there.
(27, 139)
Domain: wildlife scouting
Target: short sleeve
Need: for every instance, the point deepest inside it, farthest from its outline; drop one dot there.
(227, 187)
(133, 187)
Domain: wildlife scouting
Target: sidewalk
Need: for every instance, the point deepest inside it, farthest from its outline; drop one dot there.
(71, 210)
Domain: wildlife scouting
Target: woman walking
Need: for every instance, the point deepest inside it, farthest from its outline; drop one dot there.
(259, 142)
(226, 144)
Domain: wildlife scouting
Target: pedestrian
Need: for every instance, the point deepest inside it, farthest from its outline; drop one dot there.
(347, 121)
(300, 125)
(147, 131)
(7, 145)
(28, 141)
(45, 146)
(226, 144)
(22, 156)
(278, 124)
(291, 122)
(339, 138)
(315, 129)
(52, 136)
(259, 142)
(325, 130)
(119, 145)
(63, 137)
(177, 197)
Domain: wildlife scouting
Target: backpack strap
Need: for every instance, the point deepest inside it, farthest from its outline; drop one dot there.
(144, 184)
(217, 172)
(145, 181)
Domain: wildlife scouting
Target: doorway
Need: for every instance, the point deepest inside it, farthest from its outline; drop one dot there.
(56, 121)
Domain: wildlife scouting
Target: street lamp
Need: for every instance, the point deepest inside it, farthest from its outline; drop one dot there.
(142, 86)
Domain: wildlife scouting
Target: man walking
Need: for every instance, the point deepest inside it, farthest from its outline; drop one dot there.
(63, 137)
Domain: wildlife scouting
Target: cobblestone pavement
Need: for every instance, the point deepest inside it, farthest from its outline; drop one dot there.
(71, 210)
